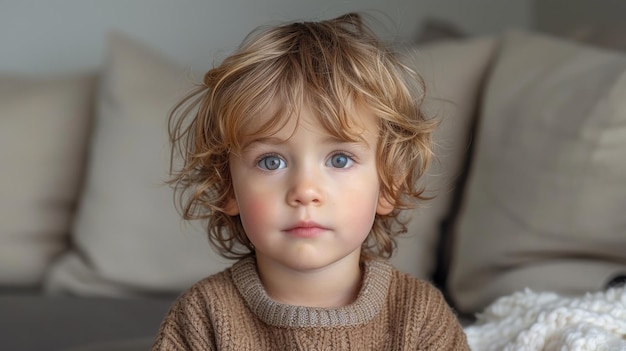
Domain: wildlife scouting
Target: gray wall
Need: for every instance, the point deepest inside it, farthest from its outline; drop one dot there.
(566, 16)
(43, 36)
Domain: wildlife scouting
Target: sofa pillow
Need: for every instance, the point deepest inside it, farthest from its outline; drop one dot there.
(545, 200)
(128, 236)
(453, 73)
(44, 124)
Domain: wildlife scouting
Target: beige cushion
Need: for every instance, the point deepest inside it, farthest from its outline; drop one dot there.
(43, 134)
(546, 200)
(453, 72)
(129, 237)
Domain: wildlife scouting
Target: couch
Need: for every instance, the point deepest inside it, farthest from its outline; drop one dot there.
(529, 186)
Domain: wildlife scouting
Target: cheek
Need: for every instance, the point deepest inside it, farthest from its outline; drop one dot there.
(359, 205)
(256, 210)
(364, 214)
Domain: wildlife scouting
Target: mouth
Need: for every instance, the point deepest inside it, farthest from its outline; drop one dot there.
(306, 229)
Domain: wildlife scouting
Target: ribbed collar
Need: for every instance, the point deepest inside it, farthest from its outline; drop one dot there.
(370, 300)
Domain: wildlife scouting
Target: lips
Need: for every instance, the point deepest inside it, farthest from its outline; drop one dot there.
(306, 230)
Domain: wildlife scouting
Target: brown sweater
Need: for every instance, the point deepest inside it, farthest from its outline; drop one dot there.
(231, 311)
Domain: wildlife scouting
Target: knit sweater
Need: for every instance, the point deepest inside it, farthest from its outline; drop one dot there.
(232, 311)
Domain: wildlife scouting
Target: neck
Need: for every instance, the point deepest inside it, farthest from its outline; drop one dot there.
(333, 286)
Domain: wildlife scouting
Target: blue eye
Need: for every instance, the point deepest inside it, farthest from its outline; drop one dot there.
(339, 161)
(271, 163)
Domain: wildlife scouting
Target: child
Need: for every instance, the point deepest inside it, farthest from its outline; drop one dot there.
(301, 149)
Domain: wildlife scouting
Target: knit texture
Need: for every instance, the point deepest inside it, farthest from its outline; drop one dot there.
(528, 321)
(232, 311)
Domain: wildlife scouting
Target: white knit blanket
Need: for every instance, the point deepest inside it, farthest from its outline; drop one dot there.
(528, 321)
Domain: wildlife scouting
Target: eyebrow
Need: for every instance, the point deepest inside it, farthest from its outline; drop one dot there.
(331, 139)
(335, 140)
(263, 140)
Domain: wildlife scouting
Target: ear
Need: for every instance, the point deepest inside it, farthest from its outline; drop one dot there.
(384, 207)
(231, 208)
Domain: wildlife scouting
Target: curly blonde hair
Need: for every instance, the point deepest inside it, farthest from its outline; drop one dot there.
(328, 66)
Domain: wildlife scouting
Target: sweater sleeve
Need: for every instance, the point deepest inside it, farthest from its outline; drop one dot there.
(441, 329)
(185, 327)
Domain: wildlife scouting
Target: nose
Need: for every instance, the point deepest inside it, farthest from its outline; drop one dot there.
(305, 189)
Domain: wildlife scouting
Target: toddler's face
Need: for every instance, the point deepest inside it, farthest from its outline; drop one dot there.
(306, 199)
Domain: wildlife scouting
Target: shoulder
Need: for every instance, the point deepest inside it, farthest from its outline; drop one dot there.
(426, 299)
(204, 299)
(408, 292)
(192, 314)
(421, 302)
(221, 280)
(415, 287)
(208, 293)
(382, 275)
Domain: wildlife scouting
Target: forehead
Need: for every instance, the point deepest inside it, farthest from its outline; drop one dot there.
(354, 123)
